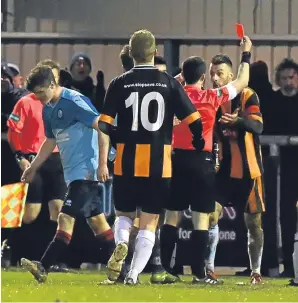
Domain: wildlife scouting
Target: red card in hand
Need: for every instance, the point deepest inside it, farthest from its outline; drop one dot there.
(240, 30)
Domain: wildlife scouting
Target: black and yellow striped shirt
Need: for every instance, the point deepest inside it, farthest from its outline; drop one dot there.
(240, 148)
(145, 101)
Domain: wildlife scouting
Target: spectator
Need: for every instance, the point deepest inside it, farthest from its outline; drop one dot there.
(259, 82)
(9, 94)
(285, 110)
(17, 78)
(160, 63)
(126, 59)
(80, 69)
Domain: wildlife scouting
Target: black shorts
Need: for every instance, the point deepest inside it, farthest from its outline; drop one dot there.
(84, 197)
(48, 183)
(149, 194)
(248, 193)
(193, 181)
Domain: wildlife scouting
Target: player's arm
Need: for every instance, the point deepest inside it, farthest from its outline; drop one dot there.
(243, 72)
(187, 113)
(44, 152)
(252, 120)
(107, 117)
(103, 144)
(109, 112)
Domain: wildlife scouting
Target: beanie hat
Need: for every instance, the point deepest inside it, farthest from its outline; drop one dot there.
(80, 56)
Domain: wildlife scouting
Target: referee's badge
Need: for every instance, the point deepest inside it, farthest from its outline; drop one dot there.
(60, 113)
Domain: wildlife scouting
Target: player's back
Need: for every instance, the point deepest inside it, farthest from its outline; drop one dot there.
(146, 115)
(145, 100)
(207, 103)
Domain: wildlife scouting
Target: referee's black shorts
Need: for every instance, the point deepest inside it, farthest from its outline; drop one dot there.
(48, 183)
(193, 181)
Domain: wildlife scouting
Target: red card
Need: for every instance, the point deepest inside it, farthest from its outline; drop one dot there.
(240, 30)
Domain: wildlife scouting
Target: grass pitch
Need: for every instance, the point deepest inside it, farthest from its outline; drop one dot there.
(83, 287)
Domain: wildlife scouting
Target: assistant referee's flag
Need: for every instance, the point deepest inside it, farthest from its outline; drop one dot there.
(13, 198)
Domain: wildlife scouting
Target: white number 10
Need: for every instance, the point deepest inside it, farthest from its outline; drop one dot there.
(133, 100)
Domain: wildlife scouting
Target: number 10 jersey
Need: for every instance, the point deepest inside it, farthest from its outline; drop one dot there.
(145, 101)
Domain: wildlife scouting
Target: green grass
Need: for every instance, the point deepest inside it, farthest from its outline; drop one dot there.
(83, 287)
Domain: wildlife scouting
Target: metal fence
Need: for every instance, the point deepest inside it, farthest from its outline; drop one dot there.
(37, 29)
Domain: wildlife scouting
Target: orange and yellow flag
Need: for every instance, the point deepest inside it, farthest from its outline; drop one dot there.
(13, 198)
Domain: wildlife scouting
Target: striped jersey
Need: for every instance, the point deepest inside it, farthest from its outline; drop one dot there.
(145, 101)
(240, 148)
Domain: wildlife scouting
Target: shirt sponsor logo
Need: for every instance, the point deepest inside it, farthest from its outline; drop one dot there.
(68, 203)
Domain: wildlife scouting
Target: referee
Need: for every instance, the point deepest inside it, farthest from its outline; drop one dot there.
(193, 179)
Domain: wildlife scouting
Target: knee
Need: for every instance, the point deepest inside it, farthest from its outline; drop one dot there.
(29, 218)
(200, 220)
(54, 209)
(172, 217)
(214, 217)
(213, 220)
(98, 224)
(130, 215)
(253, 222)
(32, 211)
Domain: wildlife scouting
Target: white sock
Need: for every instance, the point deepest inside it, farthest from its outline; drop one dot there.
(255, 249)
(122, 228)
(144, 244)
(295, 258)
(212, 245)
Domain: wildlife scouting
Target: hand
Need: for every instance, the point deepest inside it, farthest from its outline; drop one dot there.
(229, 118)
(180, 78)
(103, 173)
(176, 121)
(198, 144)
(246, 44)
(100, 77)
(24, 164)
(28, 174)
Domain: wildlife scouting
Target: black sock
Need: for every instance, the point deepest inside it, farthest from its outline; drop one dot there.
(52, 229)
(168, 239)
(155, 259)
(55, 249)
(11, 232)
(199, 242)
(106, 245)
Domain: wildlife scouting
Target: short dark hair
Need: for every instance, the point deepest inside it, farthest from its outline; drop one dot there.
(222, 59)
(159, 60)
(193, 68)
(285, 64)
(126, 59)
(40, 75)
(51, 63)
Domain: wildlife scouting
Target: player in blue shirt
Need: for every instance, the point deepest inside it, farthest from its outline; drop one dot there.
(71, 122)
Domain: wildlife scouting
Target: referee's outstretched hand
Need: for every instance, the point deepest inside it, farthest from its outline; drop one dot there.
(198, 143)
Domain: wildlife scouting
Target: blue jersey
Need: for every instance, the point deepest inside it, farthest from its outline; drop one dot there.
(69, 121)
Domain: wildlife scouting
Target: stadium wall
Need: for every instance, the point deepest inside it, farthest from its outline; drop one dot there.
(272, 19)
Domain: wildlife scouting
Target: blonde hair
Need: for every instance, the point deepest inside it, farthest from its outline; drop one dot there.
(142, 46)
